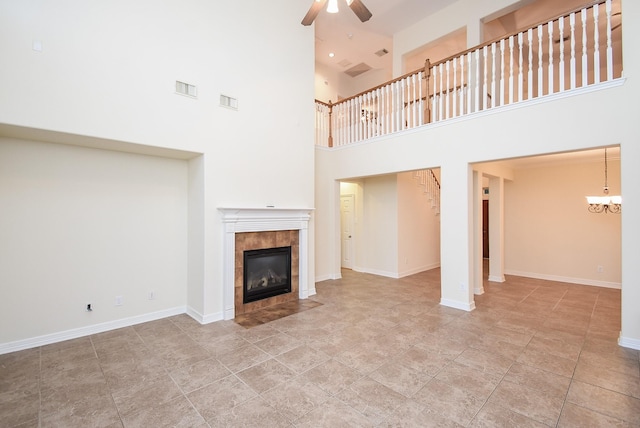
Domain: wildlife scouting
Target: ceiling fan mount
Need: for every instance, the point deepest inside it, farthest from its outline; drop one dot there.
(356, 6)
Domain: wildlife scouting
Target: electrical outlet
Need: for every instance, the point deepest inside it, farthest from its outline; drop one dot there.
(89, 307)
(119, 301)
(461, 287)
(600, 269)
(151, 295)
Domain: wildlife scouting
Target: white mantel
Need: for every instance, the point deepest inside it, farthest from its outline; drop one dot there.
(239, 220)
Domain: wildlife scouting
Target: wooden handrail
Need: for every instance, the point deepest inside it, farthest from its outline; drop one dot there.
(480, 46)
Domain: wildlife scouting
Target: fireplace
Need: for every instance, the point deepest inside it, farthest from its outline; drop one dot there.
(267, 273)
(249, 229)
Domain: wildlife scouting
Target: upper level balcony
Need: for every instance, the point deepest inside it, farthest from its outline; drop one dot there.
(576, 51)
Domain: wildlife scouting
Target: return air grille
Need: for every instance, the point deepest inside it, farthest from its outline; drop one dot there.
(186, 89)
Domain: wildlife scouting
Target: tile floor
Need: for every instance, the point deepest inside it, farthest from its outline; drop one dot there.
(377, 352)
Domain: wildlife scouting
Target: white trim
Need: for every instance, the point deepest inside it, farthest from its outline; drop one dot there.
(419, 269)
(629, 342)
(496, 278)
(491, 111)
(327, 277)
(384, 273)
(61, 336)
(478, 291)
(458, 305)
(238, 220)
(580, 281)
(204, 319)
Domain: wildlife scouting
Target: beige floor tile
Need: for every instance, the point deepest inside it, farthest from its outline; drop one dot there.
(493, 415)
(93, 412)
(608, 379)
(541, 380)
(253, 413)
(576, 416)
(333, 413)
(199, 375)
(400, 378)
(484, 361)
(529, 402)
(243, 358)
(177, 413)
(278, 344)
(332, 376)
(477, 382)
(541, 360)
(266, 375)
(454, 404)
(220, 397)
(302, 358)
(605, 402)
(374, 400)
(296, 398)
(146, 394)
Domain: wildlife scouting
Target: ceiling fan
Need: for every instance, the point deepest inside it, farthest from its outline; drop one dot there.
(356, 6)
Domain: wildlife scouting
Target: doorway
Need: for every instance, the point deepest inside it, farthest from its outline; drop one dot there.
(485, 229)
(346, 230)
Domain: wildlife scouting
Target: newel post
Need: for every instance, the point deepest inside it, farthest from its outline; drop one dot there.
(427, 74)
(330, 142)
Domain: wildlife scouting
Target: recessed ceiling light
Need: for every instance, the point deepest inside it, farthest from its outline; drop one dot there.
(331, 54)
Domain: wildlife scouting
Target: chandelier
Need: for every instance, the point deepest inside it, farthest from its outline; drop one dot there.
(606, 203)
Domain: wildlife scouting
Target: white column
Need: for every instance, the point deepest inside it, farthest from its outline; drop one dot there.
(456, 231)
(478, 288)
(496, 229)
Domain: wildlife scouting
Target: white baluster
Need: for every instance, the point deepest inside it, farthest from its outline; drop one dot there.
(493, 75)
(473, 93)
(403, 104)
(462, 84)
(520, 66)
(448, 93)
(440, 93)
(485, 87)
(385, 110)
(502, 67)
(572, 64)
(609, 46)
(540, 73)
(434, 79)
(420, 104)
(530, 67)
(511, 70)
(454, 88)
(596, 45)
(585, 67)
(550, 64)
(414, 102)
(561, 62)
(476, 84)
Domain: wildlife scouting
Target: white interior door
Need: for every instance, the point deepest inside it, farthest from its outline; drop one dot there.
(346, 227)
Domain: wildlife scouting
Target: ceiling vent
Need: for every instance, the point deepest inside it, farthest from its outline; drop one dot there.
(357, 70)
(186, 89)
(382, 52)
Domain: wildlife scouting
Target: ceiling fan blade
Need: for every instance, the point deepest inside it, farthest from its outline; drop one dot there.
(315, 8)
(360, 10)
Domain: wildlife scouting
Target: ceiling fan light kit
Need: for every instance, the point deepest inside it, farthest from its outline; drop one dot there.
(356, 6)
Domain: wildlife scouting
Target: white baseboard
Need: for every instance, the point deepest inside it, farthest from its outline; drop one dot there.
(75, 333)
(419, 269)
(629, 342)
(382, 273)
(581, 281)
(496, 278)
(327, 277)
(458, 305)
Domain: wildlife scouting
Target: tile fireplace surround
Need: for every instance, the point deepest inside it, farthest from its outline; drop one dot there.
(243, 220)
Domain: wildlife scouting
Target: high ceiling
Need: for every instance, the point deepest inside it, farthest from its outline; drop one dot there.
(354, 42)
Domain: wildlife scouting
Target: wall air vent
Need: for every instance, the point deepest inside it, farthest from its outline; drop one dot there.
(382, 52)
(228, 102)
(357, 70)
(186, 89)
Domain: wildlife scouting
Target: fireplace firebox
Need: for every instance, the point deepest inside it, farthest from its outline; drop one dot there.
(267, 273)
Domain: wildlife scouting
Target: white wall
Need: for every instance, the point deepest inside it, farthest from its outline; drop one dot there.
(418, 228)
(380, 209)
(550, 234)
(82, 226)
(108, 70)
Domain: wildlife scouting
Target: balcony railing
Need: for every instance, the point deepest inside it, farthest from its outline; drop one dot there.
(571, 51)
